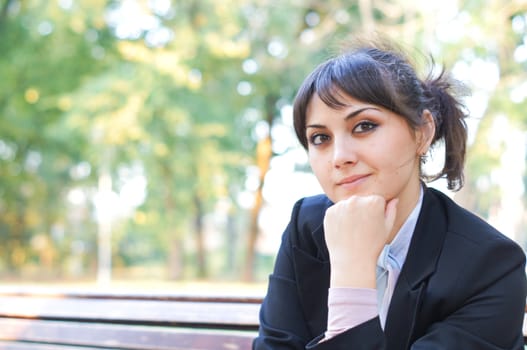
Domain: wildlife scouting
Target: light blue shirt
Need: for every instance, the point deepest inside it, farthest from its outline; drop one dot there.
(392, 259)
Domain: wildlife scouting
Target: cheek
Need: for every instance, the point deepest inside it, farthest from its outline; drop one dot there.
(380, 155)
(314, 162)
(392, 168)
(320, 166)
(393, 155)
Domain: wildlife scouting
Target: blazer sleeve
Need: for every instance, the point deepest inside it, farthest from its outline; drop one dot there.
(282, 322)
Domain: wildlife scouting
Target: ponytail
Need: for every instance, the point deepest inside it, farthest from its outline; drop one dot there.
(449, 117)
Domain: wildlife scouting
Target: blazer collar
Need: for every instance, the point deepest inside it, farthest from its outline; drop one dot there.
(426, 243)
(421, 261)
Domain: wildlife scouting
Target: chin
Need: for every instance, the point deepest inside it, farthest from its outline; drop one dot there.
(340, 197)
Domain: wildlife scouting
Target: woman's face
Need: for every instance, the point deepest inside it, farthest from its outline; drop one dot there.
(363, 149)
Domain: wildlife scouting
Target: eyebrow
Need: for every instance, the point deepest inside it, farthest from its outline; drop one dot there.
(346, 118)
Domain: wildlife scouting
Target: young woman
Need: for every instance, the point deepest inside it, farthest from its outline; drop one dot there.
(380, 261)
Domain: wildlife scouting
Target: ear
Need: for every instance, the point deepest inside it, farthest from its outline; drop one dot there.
(425, 133)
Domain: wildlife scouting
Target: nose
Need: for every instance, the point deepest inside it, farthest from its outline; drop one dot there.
(344, 152)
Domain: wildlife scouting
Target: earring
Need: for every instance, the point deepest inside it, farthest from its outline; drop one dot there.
(423, 157)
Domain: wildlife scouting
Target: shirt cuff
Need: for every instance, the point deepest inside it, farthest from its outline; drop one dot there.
(349, 307)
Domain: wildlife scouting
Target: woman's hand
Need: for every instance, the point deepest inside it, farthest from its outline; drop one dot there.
(356, 230)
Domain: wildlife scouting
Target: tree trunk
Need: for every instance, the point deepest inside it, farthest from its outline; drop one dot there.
(17, 254)
(176, 251)
(200, 240)
(366, 12)
(264, 152)
(3, 12)
(175, 268)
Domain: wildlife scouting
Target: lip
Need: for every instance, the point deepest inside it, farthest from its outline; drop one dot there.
(352, 180)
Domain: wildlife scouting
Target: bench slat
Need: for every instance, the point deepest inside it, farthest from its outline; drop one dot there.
(14, 345)
(200, 314)
(116, 336)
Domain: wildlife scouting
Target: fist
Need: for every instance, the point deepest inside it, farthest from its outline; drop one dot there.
(356, 230)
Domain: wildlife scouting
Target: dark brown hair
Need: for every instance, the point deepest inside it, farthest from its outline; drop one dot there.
(380, 74)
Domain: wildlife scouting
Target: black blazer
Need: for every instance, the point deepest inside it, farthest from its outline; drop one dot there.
(462, 286)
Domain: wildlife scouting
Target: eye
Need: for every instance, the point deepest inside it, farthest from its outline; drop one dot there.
(364, 126)
(318, 139)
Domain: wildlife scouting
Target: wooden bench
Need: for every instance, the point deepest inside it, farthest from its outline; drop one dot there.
(72, 320)
(44, 320)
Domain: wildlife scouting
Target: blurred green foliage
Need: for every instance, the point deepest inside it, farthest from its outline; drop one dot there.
(164, 97)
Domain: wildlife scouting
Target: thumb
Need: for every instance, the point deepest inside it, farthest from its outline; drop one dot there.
(390, 213)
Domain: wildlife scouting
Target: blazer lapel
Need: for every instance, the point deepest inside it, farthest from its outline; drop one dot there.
(425, 248)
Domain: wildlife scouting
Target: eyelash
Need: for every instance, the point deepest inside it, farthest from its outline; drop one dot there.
(369, 125)
(312, 139)
(366, 125)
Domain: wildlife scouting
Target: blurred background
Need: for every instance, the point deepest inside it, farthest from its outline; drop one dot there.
(151, 141)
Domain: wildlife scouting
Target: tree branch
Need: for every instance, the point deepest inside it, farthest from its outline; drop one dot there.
(3, 12)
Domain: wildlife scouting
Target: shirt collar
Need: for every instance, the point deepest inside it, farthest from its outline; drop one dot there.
(398, 249)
